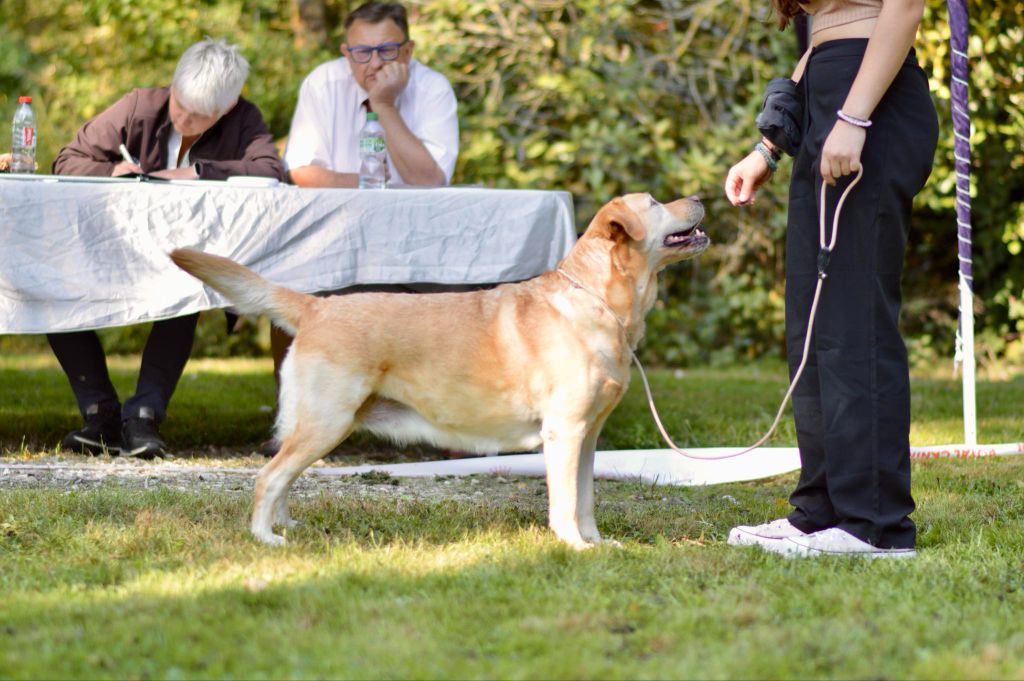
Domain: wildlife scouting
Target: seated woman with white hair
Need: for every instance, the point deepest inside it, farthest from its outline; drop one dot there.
(198, 127)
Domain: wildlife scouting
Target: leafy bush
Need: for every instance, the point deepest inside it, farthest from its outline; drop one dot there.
(606, 97)
(597, 97)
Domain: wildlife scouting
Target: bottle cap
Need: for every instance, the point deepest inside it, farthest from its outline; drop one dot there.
(24, 100)
(371, 116)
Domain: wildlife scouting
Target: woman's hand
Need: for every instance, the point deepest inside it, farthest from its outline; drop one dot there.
(186, 173)
(841, 154)
(123, 168)
(745, 178)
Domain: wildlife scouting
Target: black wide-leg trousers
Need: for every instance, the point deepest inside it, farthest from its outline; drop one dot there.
(163, 360)
(852, 405)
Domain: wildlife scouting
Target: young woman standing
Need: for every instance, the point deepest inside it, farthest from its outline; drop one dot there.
(860, 102)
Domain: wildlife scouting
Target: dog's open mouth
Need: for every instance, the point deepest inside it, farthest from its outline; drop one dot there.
(694, 236)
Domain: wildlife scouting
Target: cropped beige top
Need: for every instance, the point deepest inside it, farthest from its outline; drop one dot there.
(829, 13)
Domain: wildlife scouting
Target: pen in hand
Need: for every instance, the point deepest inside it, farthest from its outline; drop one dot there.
(126, 156)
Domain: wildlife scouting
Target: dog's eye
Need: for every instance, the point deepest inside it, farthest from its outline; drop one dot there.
(652, 201)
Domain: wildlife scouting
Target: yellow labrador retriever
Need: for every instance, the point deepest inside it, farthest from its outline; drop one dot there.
(541, 362)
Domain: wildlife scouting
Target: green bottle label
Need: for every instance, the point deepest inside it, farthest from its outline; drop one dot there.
(373, 145)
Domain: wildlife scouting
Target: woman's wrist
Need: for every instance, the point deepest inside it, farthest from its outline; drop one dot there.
(853, 120)
(776, 152)
(770, 157)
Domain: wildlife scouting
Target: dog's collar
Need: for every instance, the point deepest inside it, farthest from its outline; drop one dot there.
(608, 308)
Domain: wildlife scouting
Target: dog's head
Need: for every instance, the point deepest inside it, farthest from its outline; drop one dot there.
(629, 241)
(662, 233)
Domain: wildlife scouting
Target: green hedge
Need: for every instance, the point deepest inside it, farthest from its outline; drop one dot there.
(598, 97)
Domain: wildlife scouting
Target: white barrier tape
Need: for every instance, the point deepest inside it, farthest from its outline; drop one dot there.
(662, 466)
(966, 451)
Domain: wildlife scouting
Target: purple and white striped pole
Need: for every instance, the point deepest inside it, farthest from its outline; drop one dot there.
(958, 28)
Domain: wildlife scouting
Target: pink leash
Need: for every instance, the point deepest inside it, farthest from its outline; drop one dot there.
(823, 257)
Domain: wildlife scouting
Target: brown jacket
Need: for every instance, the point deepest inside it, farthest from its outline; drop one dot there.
(238, 144)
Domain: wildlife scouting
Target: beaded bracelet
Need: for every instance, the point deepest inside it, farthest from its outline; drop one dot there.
(771, 159)
(853, 120)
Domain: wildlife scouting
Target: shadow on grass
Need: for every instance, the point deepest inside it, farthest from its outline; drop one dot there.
(166, 584)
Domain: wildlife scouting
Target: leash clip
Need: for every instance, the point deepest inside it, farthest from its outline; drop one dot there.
(823, 257)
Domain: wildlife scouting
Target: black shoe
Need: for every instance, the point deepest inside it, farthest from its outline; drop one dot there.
(141, 438)
(100, 434)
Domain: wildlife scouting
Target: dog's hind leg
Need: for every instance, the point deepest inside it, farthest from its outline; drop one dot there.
(316, 417)
(280, 512)
(301, 448)
(317, 406)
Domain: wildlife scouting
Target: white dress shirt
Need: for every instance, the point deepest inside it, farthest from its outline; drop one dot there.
(330, 113)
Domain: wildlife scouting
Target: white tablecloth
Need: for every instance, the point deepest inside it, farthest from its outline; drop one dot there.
(85, 255)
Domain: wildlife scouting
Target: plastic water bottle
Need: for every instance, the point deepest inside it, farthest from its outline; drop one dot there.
(23, 138)
(372, 154)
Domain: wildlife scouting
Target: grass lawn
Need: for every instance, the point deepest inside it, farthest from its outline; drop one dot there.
(132, 583)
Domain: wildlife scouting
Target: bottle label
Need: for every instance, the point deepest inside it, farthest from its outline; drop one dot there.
(28, 136)
(372, 145)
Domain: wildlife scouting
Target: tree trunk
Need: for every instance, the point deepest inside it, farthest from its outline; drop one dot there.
(309, 23)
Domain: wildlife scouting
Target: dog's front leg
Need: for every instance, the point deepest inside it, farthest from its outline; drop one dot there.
(585, 476)
(563, 440)
(585, 484)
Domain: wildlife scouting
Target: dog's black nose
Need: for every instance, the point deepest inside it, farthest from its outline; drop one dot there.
(694, 198)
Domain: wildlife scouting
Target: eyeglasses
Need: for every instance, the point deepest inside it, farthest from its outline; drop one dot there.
(362, 54)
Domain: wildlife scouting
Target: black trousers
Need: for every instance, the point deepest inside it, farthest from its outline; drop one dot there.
(163, 359)
(852, 405)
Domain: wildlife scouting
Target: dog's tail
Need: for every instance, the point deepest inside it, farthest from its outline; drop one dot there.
(248, 292)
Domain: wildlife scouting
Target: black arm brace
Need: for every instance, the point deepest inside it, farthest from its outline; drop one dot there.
(782, 114)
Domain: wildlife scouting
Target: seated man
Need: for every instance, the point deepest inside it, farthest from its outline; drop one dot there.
(199, 127)
(415, 105)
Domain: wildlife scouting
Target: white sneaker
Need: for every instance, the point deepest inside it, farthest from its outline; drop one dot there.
(768, 534)
(836, 542)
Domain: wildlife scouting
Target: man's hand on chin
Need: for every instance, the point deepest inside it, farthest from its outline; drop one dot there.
(389, 82)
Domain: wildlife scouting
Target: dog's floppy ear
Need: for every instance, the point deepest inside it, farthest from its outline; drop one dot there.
(617, 216)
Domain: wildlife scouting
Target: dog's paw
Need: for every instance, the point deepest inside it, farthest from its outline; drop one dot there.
(269, 538)
(583, 542)
(594, 537)
(573, 538)
(283, 519)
